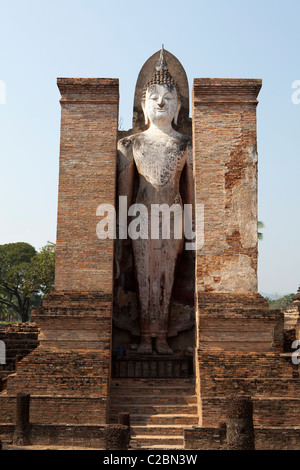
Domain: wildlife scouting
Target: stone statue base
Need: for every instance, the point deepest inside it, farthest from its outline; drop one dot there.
(133, 365)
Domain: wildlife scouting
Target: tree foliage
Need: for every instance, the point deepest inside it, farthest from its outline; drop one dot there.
(25, 276)
(284, 301)
(41, 272)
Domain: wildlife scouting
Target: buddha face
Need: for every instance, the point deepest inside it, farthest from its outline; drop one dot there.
(161, 105)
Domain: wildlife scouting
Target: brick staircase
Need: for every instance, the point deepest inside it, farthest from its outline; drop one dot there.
(159, 410)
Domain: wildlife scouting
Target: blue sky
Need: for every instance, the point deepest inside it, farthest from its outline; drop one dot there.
(42, 40)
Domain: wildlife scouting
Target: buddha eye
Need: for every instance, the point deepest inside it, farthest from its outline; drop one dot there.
(168, 97)
(154, 97)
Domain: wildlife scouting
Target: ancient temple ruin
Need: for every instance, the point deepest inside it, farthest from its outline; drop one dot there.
(223, 339)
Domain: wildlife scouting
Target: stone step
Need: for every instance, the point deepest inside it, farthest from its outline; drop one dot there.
(142, 391)
(159, 410)
(158, 447)
(162, 430)
(146, 440)
(158, 419)
(120, 400)
(154, 409)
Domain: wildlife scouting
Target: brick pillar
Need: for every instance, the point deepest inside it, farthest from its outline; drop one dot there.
(225, 160)
(71, 366)
(87, 175)
(233, 320)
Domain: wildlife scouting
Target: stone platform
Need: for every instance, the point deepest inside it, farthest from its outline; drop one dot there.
(153, 366)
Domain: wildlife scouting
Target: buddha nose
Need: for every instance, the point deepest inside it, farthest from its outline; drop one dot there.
(161, 102)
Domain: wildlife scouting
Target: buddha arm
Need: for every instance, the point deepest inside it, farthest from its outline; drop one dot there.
(125, 169)
(125, 165)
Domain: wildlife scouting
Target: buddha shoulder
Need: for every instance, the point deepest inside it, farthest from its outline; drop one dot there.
(125, 151)
(129, 141)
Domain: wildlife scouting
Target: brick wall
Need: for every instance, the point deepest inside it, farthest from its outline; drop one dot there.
(20, 339)
(59, 435)
(61, 409)
(267, 438)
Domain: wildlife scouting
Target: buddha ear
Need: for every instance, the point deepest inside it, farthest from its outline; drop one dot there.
(145, 113)
(177, 112)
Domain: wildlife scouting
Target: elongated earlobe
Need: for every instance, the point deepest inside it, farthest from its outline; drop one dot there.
(177, 113)
(145, 113)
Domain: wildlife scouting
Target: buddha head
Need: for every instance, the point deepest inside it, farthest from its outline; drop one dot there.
(161, 99)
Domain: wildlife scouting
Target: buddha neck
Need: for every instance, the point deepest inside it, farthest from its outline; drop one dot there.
(165, 129)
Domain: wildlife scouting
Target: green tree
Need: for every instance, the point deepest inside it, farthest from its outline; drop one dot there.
(7, 314)
(41, 272)
(25, 276)
(282, 302)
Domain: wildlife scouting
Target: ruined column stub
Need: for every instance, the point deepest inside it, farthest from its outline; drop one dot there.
(22, 428)
(239, 423)
(87, 173)
(225, 166)
(178, 73)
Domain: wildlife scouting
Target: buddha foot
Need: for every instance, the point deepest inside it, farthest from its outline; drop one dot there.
(162, 346)
(145, 346)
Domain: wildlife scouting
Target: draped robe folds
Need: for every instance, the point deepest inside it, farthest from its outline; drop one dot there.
(159, 164)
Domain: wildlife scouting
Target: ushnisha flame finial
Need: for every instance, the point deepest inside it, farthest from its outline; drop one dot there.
(162, 63)
(161, 76)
